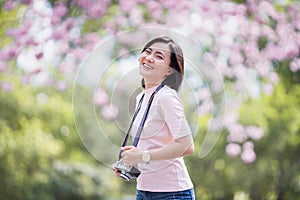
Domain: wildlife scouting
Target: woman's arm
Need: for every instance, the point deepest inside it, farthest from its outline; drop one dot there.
(177, 148)
(173, 114)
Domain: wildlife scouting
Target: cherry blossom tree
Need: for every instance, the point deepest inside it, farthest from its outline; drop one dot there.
(248, 40)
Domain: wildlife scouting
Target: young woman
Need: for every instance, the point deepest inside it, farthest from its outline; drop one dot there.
(166, 136)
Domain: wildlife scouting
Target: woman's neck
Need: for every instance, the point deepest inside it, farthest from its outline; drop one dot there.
(147, 86)
(150, 85)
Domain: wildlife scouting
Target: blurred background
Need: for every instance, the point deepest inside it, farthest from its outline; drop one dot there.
(61, 114)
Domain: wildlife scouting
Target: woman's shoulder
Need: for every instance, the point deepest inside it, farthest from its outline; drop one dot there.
(168, 94)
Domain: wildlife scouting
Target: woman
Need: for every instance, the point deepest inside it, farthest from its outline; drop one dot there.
(166, 136)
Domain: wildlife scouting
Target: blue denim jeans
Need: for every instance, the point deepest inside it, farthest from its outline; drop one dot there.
(181, 195)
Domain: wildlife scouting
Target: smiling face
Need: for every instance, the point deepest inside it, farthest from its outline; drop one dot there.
(155, 64)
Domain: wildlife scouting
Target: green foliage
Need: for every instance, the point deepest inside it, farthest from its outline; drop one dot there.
(8, 20)
(278, 165)
(275, 173)
(41, 155)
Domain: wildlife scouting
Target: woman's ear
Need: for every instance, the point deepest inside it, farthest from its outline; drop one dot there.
(170, 71)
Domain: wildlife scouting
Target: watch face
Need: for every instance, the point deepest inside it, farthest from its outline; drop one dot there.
(146, 156)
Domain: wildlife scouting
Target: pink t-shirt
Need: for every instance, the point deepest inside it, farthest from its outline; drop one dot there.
(166, 121)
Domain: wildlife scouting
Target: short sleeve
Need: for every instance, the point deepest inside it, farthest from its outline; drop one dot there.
(171, 110)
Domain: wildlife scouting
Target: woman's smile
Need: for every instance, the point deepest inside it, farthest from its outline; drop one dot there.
(147, 66)
(155, 63)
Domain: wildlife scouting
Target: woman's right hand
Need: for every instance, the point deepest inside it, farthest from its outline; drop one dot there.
(116, 171)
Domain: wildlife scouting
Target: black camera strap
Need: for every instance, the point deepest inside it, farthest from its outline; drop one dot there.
(140, 129)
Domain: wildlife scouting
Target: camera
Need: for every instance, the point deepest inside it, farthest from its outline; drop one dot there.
(126, 172)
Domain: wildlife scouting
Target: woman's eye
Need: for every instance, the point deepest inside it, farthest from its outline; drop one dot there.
(159, 57)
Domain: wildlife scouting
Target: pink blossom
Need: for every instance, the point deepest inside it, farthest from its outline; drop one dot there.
(295, 65)
(58, 34)
(67, 67)
(231, 118)
(248, 156)
(127, 5)
(55, 19)
(9, 5)
(60, 10)
(268, 88)
(248, 145)
(269, 33)
(266, 9)
(62, 85)
(6, 86)
(284, 29)
(20, 31)
(250, 49)
(36, 71)
(136, 16)
(239, 71)
(121, 20)
(272, 51)
(224, 69)
(255, 29)
(293, 9)
(39, 55)
(236, 133)
(233, 149)
(240, 10)
(63, 47)
(100, 97)
(228, 8)
(3, 66)
(296, 23)
(109, 112)
(239, 85)
(273, 77)
(263, 67)
(204, 93)
(21, 40)
(25, 79)
(10, 52)
(290, 49)
(26, 2)
(124, 53)
(96, 11)
(69, 23)
(84, 4)
(205, 107)
(236, 58)
(141, 1)
(153, 6)
(79, 53)
(171, 4)
(217, 124)
(254, 132)
(92, 38)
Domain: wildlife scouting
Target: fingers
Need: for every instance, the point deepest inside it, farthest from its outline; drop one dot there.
(128, 155)
(116, 171)
(124, 149)
(127, 148)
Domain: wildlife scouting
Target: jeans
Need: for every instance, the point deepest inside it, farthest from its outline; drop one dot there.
(181, 195)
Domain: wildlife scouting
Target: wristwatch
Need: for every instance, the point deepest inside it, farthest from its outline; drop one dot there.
(146, 157)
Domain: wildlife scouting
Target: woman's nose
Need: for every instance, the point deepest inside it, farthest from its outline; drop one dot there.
(150, 58)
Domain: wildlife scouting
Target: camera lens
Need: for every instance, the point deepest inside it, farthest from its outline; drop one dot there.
(125, 177)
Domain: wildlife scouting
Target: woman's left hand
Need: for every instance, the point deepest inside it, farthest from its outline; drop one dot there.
(131, 155)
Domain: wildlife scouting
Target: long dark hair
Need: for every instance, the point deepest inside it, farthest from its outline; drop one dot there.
(174, 80)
